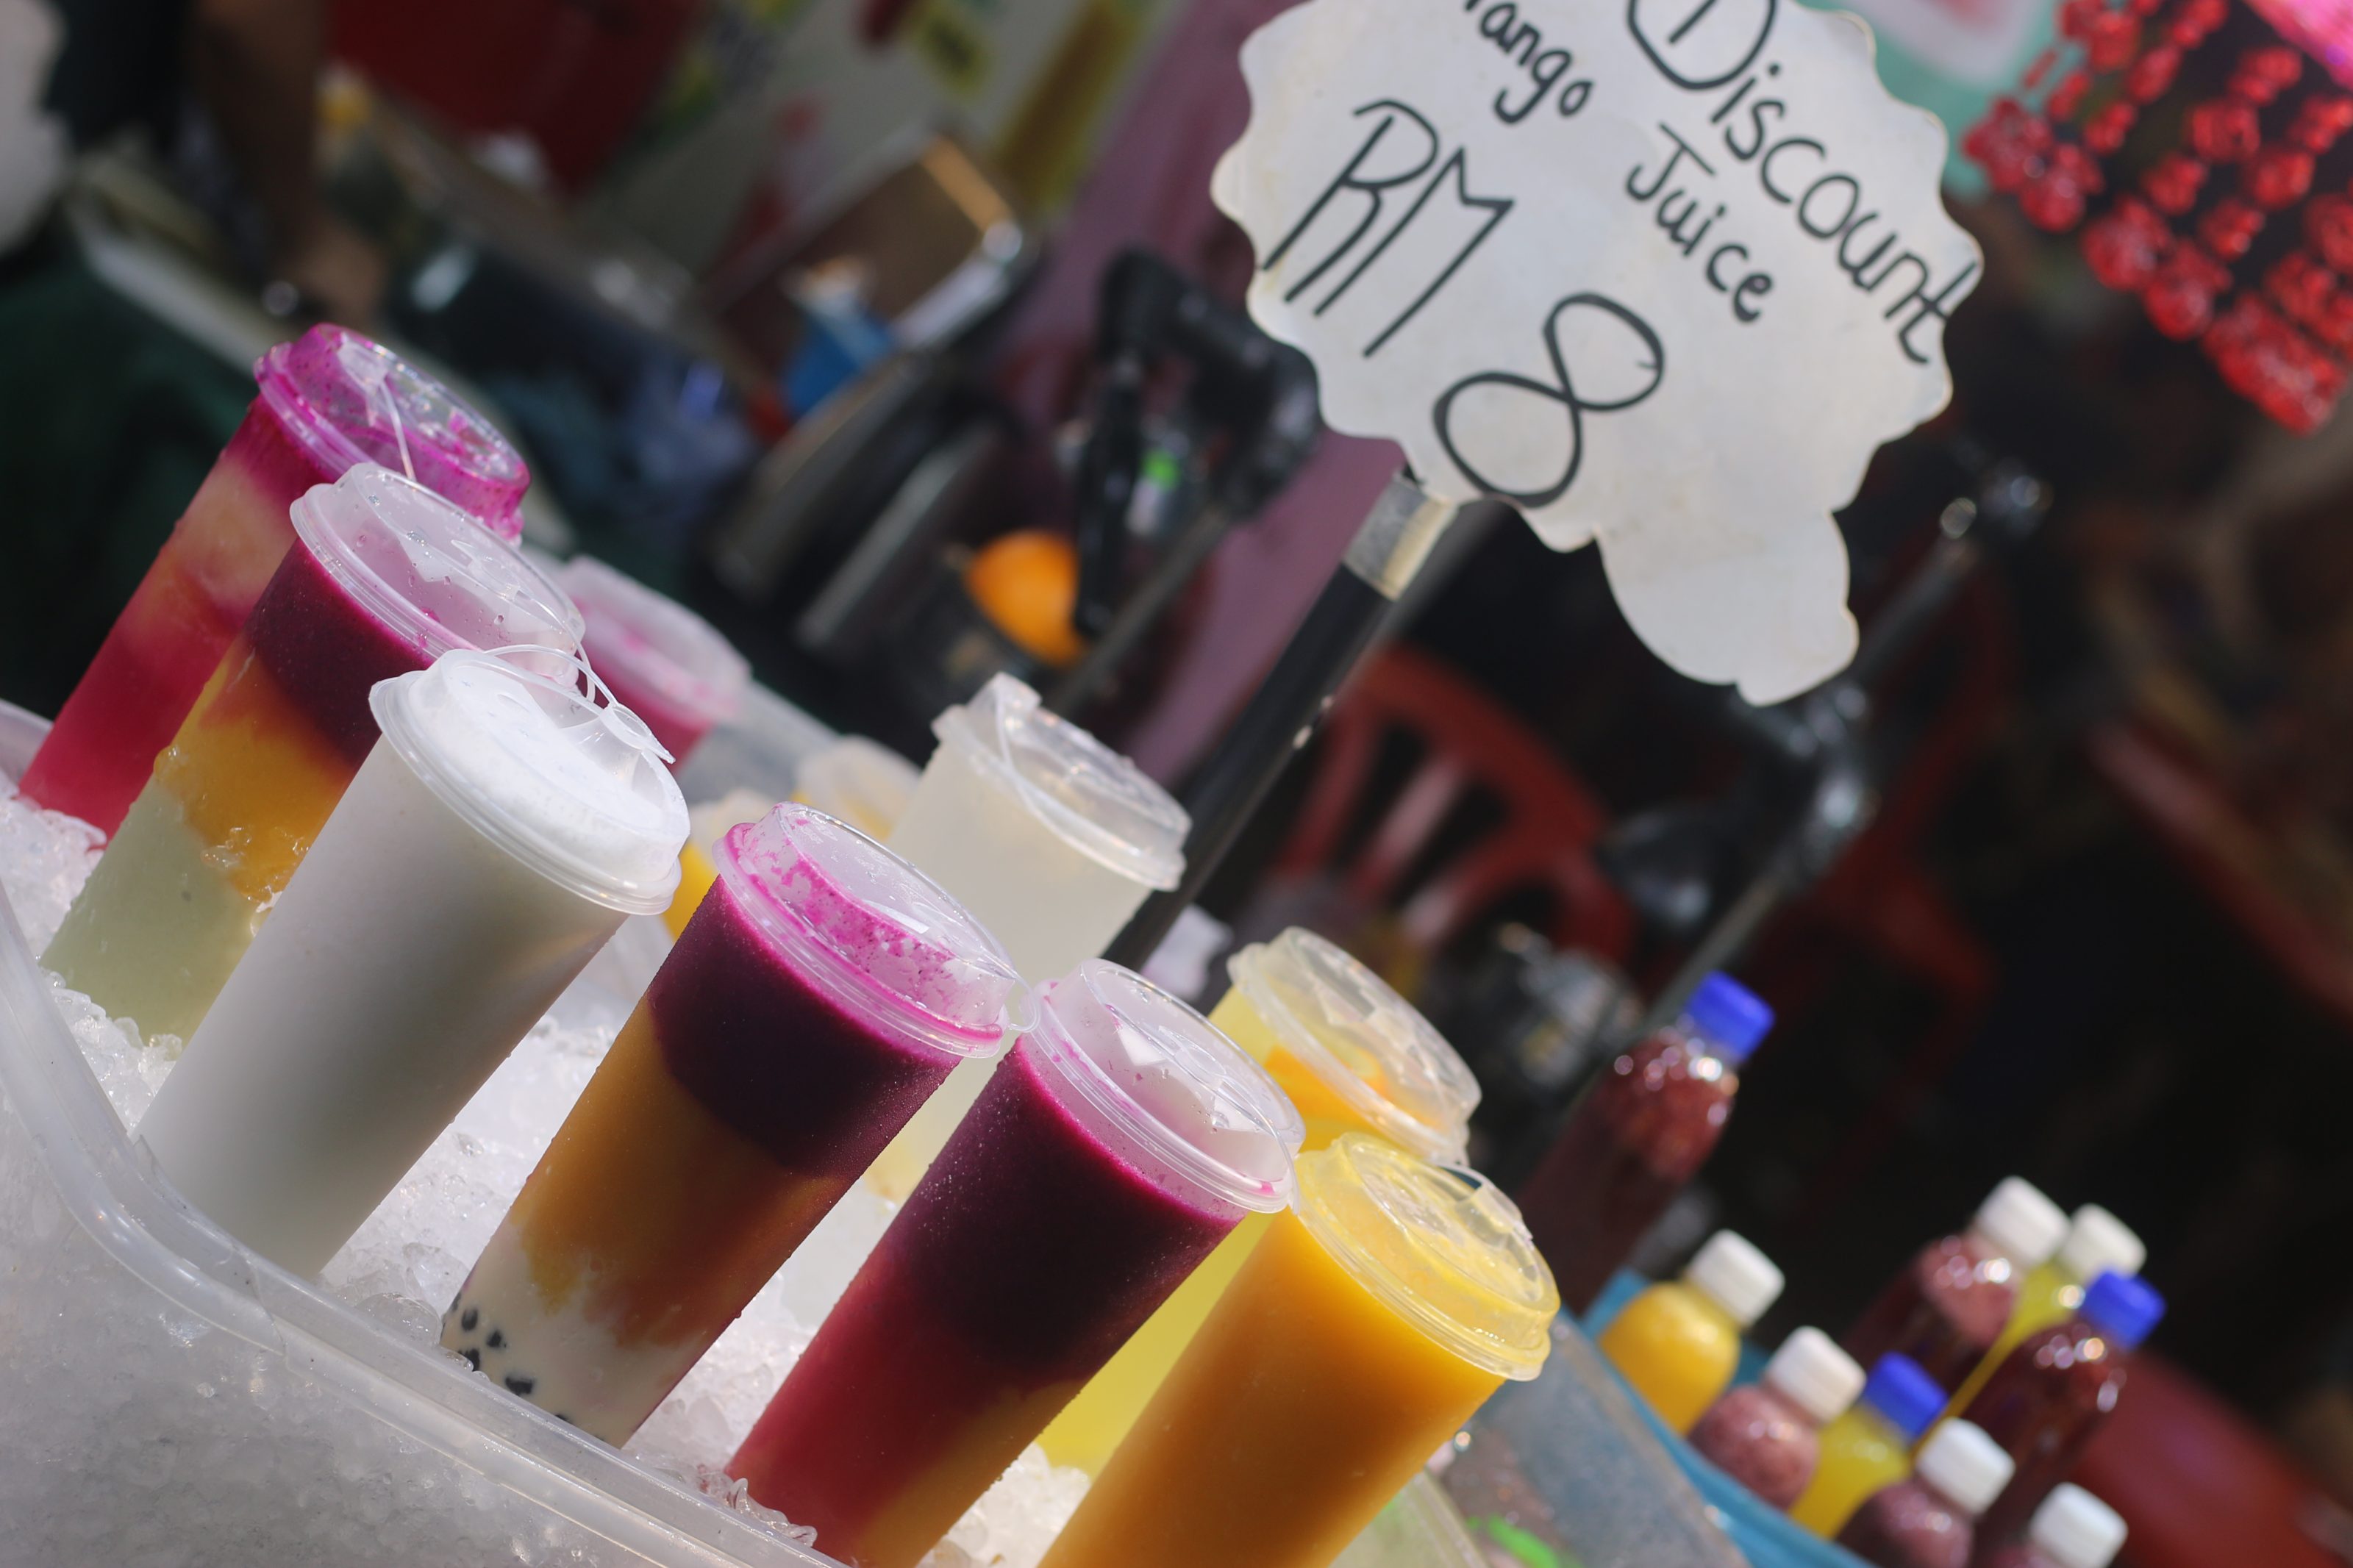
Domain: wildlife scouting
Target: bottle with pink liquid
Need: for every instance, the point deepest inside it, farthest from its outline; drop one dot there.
(1951, 1302)
(325, 402)
(1768, 1434)
(1930, 1520)
(2072, 1529)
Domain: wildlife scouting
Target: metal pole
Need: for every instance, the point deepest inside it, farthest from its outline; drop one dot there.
(1281, 714)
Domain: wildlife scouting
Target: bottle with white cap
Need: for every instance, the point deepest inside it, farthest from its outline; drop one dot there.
(1949, 1305)
(1930, 1520)
(2097, 1243)
(2072, 1529)
(1768, 1434)
(1678, 1343)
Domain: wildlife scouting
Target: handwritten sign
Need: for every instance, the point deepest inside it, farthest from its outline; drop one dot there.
(1662, 274)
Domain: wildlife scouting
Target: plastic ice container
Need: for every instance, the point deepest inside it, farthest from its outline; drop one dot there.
(167, 1397)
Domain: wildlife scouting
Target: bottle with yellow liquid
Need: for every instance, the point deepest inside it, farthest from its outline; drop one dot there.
(1353, 1056)
(1378, 1312)
(1678, 1343)
(2097, 1243)
(1869, 1448)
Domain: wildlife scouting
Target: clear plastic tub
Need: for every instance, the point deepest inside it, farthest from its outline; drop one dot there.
(167, 1398)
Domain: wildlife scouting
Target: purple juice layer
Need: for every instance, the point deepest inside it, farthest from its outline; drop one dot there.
(326, 652)
(773, 1056)
(1028, 1254)
(1757, 1438)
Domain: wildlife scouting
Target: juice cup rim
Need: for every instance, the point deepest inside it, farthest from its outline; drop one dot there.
(1417, 1045)
(1516, 1357)
(986, 728)
(855, 988)
(510, 831)
(659, 642)
(526, 587)
(1126, 998)
(491, 464)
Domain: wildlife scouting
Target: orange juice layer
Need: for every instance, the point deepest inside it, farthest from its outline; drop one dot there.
(1677, 1348)
(695, 874)
(670, 1240)
(1301, 1408)
(253, 775)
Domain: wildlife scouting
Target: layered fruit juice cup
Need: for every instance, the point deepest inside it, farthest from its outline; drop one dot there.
(1380, 1311)
(498, 834)
(823, 989)
(385, 576)
(1353, 1055)
(325, 402)
(666, 663)
(1049, 836)
(1123, 1140)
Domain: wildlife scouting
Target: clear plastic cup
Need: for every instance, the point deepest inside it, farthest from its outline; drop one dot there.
(1046, 834)
(327, 401)
(1353, 1056)
(821, 991)
(664, 663)
(1125, 1137)
(498, 833)
(865, 784)
(386, 577)
(1383, 1307)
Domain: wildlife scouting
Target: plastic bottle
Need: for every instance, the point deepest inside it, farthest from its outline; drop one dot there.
(1678, 1343)
(2097, 1243)
(1870, 1447)
(2072, 1529)
(2048, 1400)
(1768, 1434)
(1638, 1136)
(1952, 1301)
(1929, 1520)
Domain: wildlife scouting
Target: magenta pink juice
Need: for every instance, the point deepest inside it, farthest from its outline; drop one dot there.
(1945, 1310)
(1028, 1256)
(1760, 1440)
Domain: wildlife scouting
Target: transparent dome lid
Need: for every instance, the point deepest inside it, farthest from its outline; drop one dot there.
(1165, 1085)
(572, 787)
(432, 573)
(1363, 1041)
(1441, 1246)
(1098, 801)
(350, 400)
(655, 643)
(883, 938)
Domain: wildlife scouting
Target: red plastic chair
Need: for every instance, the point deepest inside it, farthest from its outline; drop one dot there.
(1466, 744)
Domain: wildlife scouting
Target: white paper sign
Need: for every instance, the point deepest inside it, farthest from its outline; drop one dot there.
(1662, 274)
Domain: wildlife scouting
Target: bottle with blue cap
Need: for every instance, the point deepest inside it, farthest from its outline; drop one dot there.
(2051, 1397)
(1870, 1447)
(1638, 1136)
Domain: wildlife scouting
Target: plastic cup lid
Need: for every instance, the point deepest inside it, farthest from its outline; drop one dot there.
(573, 788)
(2099, 1242)
(350, 400)
(1441, 1246)
(430, 572)
(1166, 1087)
(865, 784)
(2077, 1530)
(1900, 1389)
(1815, 1374)
(1969, 1467)
(2023, 1224)
(656, 642)
(1741, 1279)
(1362, 1040)
(1099, 802)
(883, 938)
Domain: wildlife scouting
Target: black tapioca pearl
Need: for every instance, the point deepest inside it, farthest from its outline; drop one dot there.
(523, 1385)
(473, 1357)
(469, 1318)
(498, 1340)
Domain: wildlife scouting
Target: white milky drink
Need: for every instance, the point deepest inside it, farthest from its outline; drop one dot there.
(494, 838)
(1050, 837)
